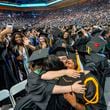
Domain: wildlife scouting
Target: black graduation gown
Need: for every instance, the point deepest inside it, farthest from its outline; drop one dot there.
(99, 66)
(41, 94)
(101, 105)
(26, 103)
(9, 74)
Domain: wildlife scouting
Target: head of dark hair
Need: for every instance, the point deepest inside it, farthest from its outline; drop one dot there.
(52, 63)
(14, 36)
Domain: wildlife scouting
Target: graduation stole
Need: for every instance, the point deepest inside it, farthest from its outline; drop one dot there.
(39, 71)
(95, 99)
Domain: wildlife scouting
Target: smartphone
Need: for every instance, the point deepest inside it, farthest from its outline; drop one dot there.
(10, 26)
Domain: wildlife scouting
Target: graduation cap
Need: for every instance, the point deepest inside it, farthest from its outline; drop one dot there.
(58, 51)
(39, 54)
(61, 51)
(96, 44)
(95, 57)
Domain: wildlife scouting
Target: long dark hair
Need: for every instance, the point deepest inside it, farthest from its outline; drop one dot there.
(14, 36)
(53, 63)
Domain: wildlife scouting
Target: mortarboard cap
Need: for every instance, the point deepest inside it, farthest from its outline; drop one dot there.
(96, 44)
(39, 54)
(61, 51)
(58, 51)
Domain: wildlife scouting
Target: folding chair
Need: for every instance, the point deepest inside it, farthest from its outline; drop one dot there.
(4, 94)
(17, 89)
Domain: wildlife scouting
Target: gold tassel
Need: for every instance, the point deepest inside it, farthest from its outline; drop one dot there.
(88, 49)
(80, 66)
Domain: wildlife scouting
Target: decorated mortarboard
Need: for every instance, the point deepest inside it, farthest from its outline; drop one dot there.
(39, 54)
(96, 44)
(95, 57)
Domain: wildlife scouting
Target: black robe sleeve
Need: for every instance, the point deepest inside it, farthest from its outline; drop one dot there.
(100, 67)
(9, 74)
(40, 90)
(90, 92)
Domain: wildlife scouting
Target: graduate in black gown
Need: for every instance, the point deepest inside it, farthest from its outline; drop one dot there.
(96, 60)
(9, 73)
(93, 87)
(46, 94)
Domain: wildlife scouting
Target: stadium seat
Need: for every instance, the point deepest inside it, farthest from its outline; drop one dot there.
(4, 94)
(17, 89)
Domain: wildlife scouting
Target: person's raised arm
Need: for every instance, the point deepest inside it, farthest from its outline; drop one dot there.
(50, 75)
(4, 33)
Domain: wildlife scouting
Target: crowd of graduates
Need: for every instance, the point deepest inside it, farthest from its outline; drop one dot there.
(92, 44)
(65, 64)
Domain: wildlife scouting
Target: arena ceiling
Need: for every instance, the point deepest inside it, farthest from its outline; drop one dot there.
(28, 1)
(27, 5)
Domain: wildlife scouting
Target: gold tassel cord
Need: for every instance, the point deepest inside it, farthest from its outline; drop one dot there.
(95, 99)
